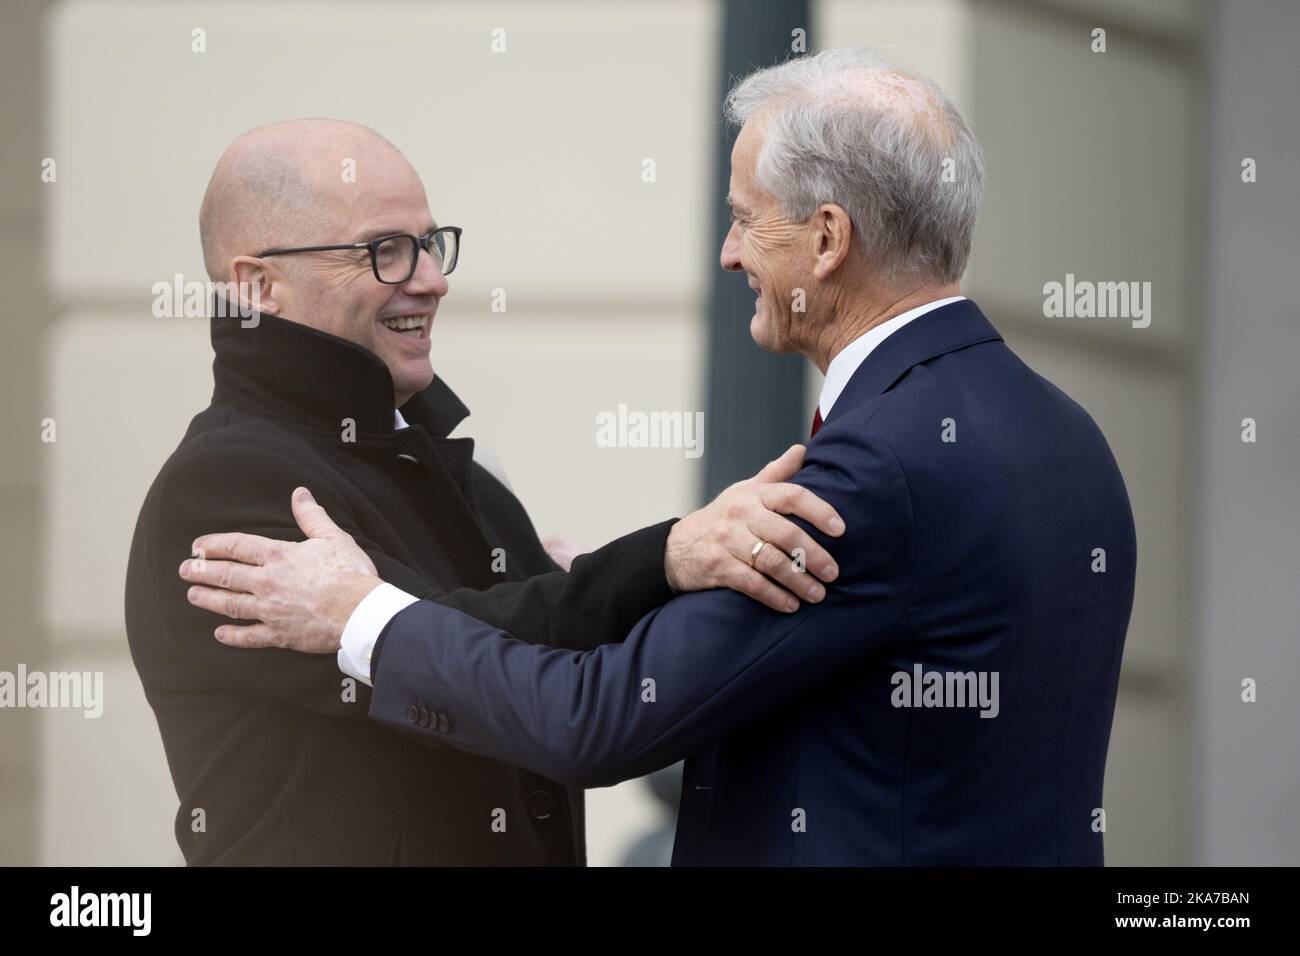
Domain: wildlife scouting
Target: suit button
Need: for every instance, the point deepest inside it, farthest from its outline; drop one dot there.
(425, 717)
(541, 804)
(410, 461)
(412, 714)
(443, 723)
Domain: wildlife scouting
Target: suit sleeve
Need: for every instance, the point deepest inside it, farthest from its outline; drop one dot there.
(596, 602)
(689, 673)
(238, 487)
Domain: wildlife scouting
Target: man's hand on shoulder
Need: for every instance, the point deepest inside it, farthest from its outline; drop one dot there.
(742, 541)
(300, 593)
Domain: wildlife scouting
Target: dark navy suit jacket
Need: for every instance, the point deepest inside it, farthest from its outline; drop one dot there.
(989, 538)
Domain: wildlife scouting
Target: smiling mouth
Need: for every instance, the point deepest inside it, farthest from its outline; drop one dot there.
(411, 326)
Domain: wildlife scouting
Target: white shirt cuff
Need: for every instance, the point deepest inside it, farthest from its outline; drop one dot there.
(367, 622)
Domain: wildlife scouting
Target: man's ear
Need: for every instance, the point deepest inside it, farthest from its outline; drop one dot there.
(255, 285)
(832, 238)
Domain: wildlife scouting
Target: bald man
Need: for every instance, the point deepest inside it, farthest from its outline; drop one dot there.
(273, 754)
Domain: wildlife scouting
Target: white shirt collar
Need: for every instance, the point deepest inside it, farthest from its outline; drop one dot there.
(855, 353)
(398, 421)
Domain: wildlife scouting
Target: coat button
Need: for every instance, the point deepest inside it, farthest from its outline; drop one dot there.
(443, 723)
(412, 714)
(541, 804)
(425, 716)
(410, 461)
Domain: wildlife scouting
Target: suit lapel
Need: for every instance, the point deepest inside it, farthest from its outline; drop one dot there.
(947, 329)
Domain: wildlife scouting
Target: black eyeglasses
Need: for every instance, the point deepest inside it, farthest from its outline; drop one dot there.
(394, 258)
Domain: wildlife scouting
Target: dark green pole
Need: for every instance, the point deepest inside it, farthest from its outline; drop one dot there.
(756, 405)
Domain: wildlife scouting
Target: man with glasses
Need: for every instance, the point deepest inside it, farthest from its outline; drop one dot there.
(273, 756)
(393, 259)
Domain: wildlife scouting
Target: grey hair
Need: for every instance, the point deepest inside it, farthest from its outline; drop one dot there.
(832, 135)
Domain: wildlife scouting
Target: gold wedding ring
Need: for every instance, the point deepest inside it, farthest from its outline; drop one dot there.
(753, 555)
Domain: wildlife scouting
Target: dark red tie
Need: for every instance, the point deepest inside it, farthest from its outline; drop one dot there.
(817, 423)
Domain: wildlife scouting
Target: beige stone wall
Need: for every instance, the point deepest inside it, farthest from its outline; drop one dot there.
(537, 152)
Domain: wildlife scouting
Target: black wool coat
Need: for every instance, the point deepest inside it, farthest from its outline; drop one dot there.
(272, 753)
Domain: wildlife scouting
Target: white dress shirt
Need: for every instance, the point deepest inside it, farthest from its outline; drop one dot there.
(365, 625)
(385, 602)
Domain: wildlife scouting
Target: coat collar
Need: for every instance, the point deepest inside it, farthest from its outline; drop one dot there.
(946, 329)
(286, 370)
